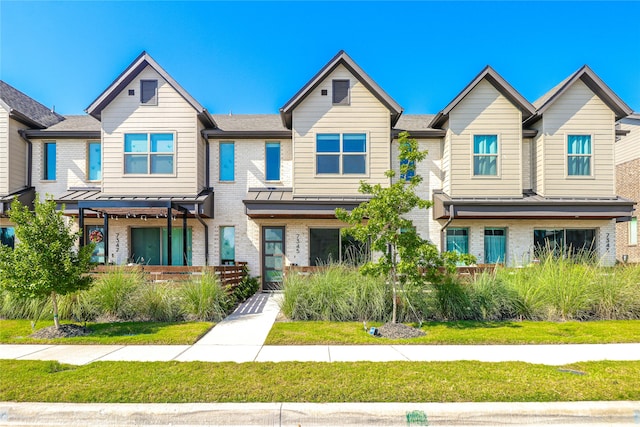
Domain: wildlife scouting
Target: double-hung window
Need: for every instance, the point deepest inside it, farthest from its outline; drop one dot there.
(485, 155)
(272, 161)
(94, 161)
(49, 163)
(149, 153)
(579, 155)
(227, 161)
(341, 154)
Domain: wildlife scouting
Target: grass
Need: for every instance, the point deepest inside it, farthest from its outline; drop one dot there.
(160, 382)
(18, 331)
(461, 332)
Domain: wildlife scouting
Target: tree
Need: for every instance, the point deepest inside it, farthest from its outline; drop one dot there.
(405, 257)
(45, 260)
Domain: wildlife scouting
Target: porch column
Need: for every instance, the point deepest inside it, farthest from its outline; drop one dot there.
(81, 226)
(169, 243)
(185, 260)
(105, 238)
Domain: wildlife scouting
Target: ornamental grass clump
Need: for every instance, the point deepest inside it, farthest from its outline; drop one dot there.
(158, 302)
(205, 298)
(113, 291)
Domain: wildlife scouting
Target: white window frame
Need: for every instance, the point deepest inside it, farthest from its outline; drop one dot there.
(150, 153)
(341, 154)
(590, 156)
(497, 156)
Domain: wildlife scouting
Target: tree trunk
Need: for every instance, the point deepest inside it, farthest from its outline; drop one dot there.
(394, 283)
(54, 303)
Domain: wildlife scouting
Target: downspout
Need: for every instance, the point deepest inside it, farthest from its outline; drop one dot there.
(23, 135)
(206, 234)
(443, 240)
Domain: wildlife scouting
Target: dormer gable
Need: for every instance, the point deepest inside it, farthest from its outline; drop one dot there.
(587, 76)
(496, 80)
(340, 93)
(147, 94)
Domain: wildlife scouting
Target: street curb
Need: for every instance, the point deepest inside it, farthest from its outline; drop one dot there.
(322, 414)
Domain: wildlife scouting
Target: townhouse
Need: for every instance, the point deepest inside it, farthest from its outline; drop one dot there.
(152, 177)
(627, 154)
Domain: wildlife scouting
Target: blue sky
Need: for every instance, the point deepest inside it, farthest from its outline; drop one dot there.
(251, 57)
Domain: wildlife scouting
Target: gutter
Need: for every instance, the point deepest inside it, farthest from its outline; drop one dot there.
(22, 134)
(452, 215)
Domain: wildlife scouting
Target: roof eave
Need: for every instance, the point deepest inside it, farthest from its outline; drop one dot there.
(69, 134)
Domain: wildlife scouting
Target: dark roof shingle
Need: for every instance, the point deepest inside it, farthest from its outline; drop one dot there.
(27, 106)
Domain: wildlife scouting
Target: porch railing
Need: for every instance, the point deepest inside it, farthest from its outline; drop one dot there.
(229, 275)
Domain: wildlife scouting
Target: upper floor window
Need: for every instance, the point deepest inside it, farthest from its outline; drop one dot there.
(149, 92)
(341, 92)
(341, 153)
(94, 161)
(485, 155)
(272, 163)
(7, 236)
(49, 163)
(409, 167)
(227, 161)
(149, 153)
(579, 155)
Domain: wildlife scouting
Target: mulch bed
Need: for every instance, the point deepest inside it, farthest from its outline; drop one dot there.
(399, 330)
(65, 331)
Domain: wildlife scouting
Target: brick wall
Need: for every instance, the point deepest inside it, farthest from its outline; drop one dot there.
(628, 185)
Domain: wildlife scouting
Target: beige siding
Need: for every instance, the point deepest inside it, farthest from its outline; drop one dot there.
(4, 151)
(526, 164)
(172, 114)
(579, 111)
(486, 111)
(316, 114)
(446, 160)
(628, 148)
(537, 152)
(201, 161)
(17, 157)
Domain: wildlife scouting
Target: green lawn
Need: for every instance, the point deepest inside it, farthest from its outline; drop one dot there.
(18, 331)
(159, 382)
(464, 332)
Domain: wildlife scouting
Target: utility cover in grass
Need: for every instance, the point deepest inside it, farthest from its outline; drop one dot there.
(399, 330)
(65, 331)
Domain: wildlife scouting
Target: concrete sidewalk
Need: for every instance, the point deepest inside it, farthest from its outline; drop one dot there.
(322, 414)
(240, 338)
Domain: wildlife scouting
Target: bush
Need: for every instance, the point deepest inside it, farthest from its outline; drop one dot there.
(205, 298)
(490, 297)
(452, 300)
(246, 288)
(113, 291)
(157, 303)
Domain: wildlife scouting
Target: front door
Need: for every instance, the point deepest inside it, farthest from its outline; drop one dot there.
(272, 257)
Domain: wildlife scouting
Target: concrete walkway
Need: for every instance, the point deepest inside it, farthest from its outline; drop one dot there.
(240, 338)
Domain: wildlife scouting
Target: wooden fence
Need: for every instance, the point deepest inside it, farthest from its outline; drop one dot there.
(464, 271)
(230, 275)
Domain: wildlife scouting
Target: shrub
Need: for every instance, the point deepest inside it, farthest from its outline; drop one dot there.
(490, 297)
(157, 302)
(113, 291)
(451, 299)
(246, 288)
(205, 298)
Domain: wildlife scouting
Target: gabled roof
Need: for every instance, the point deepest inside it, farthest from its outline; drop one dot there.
(594, 83)
(140, 63)
(340, 59)
(499, 83)
(26, 109)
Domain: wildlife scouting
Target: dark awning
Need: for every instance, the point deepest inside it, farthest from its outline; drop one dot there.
(25, 196)
(280, 203)
(531, 206)
(120, 205)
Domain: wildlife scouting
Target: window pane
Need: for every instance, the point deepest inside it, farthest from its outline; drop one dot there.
(485, 144)
(354, 164)
(7, 236)
(548, 241)
(161, 163)
(328, 143)
(328, 164)
(633, 231)
(95, 162)
(177, 255)
(354, 143)
(149, 91)
(579, 165)
(50, 161)
(272, 154)
(135, 143)
(95, 235)
(227, 245)
(579, 144)
(458, 240)
(162, 143)
(135, 163)
(227, 161)
(580, 241)
(411, 169)
(354, 252)
(273, 234)
(341, 92)
(324, 246)
(485, 165)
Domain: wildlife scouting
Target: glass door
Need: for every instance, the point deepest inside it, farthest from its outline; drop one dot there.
(272, 257)
(495, 245)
